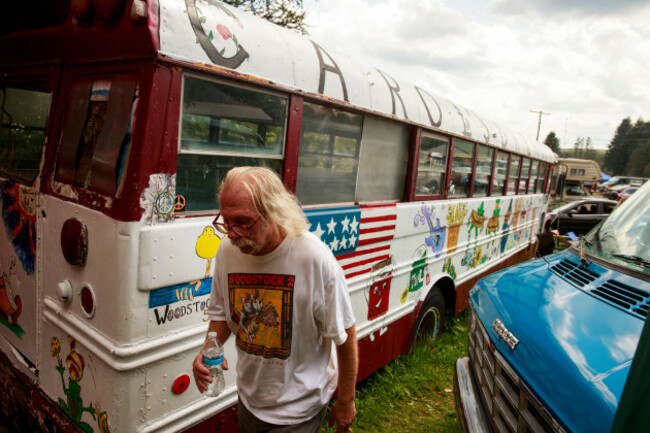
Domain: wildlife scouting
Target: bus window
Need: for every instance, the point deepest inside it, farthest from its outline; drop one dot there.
(483, 171)
(96, 138)
(540, 179)
(225, 126)
(432, 165)
(383, 160)
(500, 170)
(513, 175)
(23, 116)
(329, 155)
(462, 164)
(525, 172)
(533, 176)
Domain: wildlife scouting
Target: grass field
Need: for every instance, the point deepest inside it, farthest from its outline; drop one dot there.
(414, 392)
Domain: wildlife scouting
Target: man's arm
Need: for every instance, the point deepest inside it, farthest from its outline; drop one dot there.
(201, 372)
(344, 409)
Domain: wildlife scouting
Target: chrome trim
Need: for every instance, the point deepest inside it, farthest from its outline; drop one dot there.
(502, 332)
(508, 402)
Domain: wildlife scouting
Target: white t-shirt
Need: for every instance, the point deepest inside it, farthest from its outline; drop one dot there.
(285, 308)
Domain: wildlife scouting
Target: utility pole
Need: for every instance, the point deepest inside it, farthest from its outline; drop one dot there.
(539, 123)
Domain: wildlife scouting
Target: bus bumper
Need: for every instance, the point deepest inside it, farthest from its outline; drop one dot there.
(470, 411)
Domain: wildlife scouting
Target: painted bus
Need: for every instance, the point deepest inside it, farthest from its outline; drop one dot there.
(119, 118)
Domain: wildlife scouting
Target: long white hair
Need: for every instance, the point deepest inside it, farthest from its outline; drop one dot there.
(271, 199)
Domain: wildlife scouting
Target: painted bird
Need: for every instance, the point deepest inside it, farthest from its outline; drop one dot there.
(206, 247)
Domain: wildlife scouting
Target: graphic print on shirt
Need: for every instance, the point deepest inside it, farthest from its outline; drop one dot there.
(261, 306)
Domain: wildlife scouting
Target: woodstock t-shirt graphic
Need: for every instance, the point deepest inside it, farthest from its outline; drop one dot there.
(261, 306)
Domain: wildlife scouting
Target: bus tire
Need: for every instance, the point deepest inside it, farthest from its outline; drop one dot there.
(431, 318)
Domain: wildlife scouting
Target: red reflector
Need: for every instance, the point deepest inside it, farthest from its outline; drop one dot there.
(181, 384)
(88, 301)
(74, 242)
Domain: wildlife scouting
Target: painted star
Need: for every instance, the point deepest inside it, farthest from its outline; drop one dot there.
(319, 232)
(354, 225)
(346, 224)
(332, 225)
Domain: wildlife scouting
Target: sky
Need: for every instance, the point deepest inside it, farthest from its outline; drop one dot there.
(584, 63)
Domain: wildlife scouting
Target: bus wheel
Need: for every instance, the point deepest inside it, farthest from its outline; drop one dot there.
(430, 319)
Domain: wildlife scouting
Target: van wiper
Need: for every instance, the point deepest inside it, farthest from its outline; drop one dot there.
(636, 259)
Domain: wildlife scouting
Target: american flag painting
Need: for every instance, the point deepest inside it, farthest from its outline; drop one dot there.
(359, 236)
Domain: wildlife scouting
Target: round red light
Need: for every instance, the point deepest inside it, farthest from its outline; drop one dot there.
(181, 384)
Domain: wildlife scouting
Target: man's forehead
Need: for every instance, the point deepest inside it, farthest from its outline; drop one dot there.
(236, 200)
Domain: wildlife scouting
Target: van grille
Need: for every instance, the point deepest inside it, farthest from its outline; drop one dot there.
(633, 300)
(509, 404)
(574, 273)
(630, 298)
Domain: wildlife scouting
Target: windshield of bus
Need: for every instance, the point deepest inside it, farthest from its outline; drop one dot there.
(624, 237)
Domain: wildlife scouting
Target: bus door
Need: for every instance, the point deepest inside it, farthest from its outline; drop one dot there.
(26, 101)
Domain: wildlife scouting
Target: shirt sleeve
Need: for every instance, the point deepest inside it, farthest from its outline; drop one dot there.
(218, 303)
(337, 312)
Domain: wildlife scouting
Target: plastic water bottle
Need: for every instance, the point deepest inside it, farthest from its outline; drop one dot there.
(213, 359)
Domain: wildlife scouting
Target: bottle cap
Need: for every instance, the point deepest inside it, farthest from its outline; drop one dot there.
(212, 334)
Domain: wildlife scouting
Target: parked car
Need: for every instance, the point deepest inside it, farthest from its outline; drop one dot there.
(613, 192)
(561, 343)
(575, 190)
(579, 216)
(620, 180)
(626, 193)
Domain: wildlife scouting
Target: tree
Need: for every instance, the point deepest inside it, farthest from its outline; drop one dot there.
(618, 152)
(285, 13)
(578, 147)
(552, 142)
(629, 150)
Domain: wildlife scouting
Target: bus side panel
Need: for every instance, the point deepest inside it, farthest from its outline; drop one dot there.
(19, 268)
(121, 346)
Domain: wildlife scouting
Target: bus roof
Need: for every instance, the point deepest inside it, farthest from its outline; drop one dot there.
(209, 33)
(232, 42)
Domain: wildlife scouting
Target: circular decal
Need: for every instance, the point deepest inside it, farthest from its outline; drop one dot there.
(164, 203)
(181, 383)
(180, 202)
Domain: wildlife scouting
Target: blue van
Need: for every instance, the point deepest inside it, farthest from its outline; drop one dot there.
(552, 341)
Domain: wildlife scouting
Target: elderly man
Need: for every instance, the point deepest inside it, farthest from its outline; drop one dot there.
(280, 290)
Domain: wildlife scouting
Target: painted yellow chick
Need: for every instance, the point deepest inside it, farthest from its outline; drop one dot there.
(206, 247)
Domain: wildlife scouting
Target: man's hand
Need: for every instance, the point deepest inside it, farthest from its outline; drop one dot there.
(342, 414)
(202, 374)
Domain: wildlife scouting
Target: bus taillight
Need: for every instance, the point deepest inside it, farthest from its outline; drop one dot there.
(74, 242)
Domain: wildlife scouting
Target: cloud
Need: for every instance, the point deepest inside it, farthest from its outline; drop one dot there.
(584, 62)
(567, 8)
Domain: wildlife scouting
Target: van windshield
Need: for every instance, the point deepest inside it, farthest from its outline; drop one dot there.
(624, 237)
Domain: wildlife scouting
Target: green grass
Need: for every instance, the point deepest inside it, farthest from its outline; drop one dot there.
(414, 392)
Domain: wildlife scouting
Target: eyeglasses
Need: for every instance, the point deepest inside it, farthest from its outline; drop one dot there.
(238, 229)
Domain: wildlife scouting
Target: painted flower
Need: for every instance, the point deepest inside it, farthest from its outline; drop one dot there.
(55, 346)
(224, 32)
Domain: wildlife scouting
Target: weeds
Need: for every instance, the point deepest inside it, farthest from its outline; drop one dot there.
(414, 393)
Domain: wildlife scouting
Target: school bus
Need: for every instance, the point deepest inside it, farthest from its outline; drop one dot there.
(119, 119)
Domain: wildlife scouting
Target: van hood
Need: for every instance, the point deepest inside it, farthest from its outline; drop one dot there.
(575, 348)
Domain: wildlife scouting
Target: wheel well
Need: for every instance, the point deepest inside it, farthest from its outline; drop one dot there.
(448, 289)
